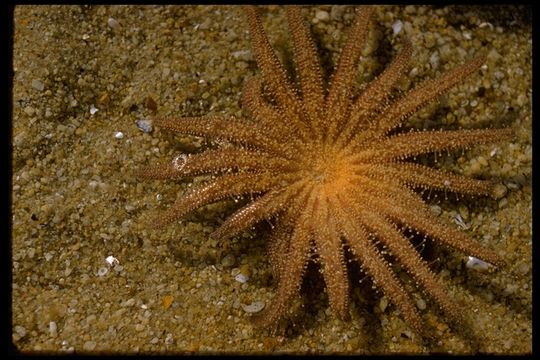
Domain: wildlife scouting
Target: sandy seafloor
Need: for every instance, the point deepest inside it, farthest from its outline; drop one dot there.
(75, 200)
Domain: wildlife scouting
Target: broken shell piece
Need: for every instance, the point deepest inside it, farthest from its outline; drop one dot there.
(477, 264)
(112, 260)
(254, 307)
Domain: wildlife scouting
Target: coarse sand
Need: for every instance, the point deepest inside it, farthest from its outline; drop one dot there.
(90, 276)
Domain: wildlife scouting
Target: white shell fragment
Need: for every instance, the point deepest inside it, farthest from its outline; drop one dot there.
(179, 162)
(477, 264)
(397, 26)
(93, 109)
(113, 23)
(254, 307)
(145, 125)
(119, 135)
(111, 260)
(459, 221)
(241, 278)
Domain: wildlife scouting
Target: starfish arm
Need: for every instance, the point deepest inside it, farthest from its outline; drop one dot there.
(402, 146)
(309, 68)
(402, 249)
(434, 228)
(369, 101)
(423, 94)
(219, 189)
(375, 265)
(267, 116)
(330, 249)
(406, 207)
(226, 128)
(273, 73)
(219, 160)
(341, 84)
(262, 208)
(417, 175)
(278, 244)
(293, 266)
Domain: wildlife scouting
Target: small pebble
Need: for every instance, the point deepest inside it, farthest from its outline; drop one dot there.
(228, 260)
(154, 340)
(434, 60)
(145, 125)
(436, 210)
(38, 85)
(93, 109)
(322, 15)
(523, 268)
(139, 327)
(499, 190)
(254, 307)
(421, 304)
(119, 135)
(130, 302)
(150, 103)
(20, 330)
(89, 345)
(52, 328)
(113, 24)
(102, 271)
(93, 184)
(29, 110)
(383, 304)
(167, 301)
(510, 289)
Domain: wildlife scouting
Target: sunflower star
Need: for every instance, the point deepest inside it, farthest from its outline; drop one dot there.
(331, 170)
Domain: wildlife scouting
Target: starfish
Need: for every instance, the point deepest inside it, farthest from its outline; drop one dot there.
(331, 169)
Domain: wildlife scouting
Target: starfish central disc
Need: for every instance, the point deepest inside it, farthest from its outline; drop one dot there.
(329, 169)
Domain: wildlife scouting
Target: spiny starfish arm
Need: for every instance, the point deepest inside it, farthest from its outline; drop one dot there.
(308, 66)
(273, 73)
(408, 257)
(375, 265)
(332, 259)
(375, 94)
(402, 146)
(219, 189)
(436, 229)
(278, 246)
(267, 116)
(217, 160)
(341, 83)
(293, 268)
(226, 128)
(262, 208)
(417, 175)
(407, 208)
(423, 94)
